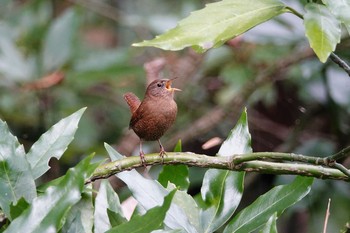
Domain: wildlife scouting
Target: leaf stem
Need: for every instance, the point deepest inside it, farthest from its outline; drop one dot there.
(262, 162)
(295, 12)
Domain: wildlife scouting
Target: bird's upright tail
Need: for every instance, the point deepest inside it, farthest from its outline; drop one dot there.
(133, 101)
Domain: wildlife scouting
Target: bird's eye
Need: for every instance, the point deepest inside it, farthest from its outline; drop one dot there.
(159, 84)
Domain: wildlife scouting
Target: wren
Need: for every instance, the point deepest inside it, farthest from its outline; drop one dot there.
(154, 115)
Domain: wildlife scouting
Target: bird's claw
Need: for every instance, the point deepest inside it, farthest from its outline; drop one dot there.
(143, 160)
(162, 153)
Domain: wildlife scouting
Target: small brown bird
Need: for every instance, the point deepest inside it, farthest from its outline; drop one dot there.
(155, 114)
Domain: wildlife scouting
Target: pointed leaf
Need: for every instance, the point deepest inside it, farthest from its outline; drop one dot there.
(115, 218)
(16, 210)
(58, 44)
(178, 146)
(80, 216)
(276, 200)
(341, 11)
(270, 226)
(48, 211)
(148, 222)
(222, 190)
(216, 23)
(149, 193)
(14, 66)
(16, 180)
(322, 30)
(168, 231)
(239, 140)
(53, 143)
(175, 174)
(113, 154)
(188, 205)
(106, 198)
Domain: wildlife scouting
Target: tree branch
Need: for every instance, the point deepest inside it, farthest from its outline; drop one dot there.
(339, 155)
(341, 63)
(261, 162)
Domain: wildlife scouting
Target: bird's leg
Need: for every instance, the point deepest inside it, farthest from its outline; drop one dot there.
(142, 155)
(162, 151)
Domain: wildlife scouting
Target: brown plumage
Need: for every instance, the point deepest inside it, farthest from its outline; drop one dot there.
(152, 117)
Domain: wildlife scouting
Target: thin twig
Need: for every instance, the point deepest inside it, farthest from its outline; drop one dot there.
(339, 155)
(341, 168)
(340, 62)
(327, 216)
(104, 9)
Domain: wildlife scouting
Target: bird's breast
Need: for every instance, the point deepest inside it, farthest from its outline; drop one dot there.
(153, 118)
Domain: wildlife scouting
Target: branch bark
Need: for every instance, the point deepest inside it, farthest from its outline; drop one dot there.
(261, 162)
(340, 62)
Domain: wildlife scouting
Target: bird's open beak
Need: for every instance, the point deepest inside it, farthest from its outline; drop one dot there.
(168, 85)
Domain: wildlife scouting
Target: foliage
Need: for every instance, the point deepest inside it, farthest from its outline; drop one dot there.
(322, 25)
(47, 211)
(65, 203)
(208, 29)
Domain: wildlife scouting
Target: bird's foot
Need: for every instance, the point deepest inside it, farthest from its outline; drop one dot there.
(162, 153)
(143, 160)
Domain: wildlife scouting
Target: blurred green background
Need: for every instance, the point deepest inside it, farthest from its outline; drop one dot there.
(58, 56)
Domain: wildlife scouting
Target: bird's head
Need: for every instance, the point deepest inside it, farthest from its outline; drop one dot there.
(161, 88)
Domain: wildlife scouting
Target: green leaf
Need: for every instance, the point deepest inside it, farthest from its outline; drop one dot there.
(276, 200)
(16, 180)
(53, 143)
(80, 217)
(178, 146)
(113, 154)
(48, 212)
(322, 30)
(58, 44)
(222, 193)
(216, 23)
(341, 11)
(175, 174)
(115, 218)
(148, 222)
(14, 66)
(222, 190)
(168, 231)
(188, 205)
(239, 140)
(149, 193)
(106, 199)
(16, 210)
(270, 226)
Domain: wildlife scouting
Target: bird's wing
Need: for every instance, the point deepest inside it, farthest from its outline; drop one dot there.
(133, 101)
